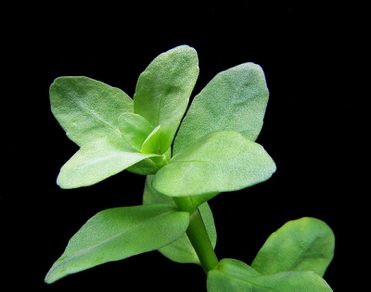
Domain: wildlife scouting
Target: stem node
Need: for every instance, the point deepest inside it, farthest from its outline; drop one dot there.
(198, 236)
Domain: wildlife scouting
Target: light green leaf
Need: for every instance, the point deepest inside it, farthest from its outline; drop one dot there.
(218, 162)
(119, 233)
(231, 275)
(150, 144)
(234, 99)
(150, 196)
(134, 129)
(163, 91)
(96, 161)
(150, 166)
(88, 109)
(306, 244)
(292, 281)
(235, 276)
(180, 251)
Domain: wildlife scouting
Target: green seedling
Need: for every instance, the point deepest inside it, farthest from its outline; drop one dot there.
(214, 151)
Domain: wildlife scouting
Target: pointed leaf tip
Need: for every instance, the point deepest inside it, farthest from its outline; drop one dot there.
(119, 233)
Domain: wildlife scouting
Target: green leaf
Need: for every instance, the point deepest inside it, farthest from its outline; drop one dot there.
(96, 161)
(88, 109)
(235, 276)
(150, 166)
(234, 99)
(163, 91)
(231, 275)
(119, 233)
(218, 162)
(292, 281)
(134, 129)
(150, 144)
(306, 244)
(180, 251)
(150, 196)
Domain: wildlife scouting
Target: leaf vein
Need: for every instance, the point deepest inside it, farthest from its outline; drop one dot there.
(96, 116)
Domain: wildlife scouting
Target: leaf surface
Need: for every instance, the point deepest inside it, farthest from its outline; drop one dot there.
(150, 144)
(163, 90)
(134, 129)
(180, 251)
(88, 109)
(96, 161)
(119, 233)
(235, 276)
(306, 244)
(234, 99)
(218, 162)
(150, 166)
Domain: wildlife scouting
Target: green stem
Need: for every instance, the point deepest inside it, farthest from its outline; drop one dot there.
(198, 236)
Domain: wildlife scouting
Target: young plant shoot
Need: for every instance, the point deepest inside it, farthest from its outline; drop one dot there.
(214, 151)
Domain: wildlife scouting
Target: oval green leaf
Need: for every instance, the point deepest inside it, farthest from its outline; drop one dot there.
(163, 90)
(235, 276)
(218, 162)
(234, 99)
(306, 244)
(88, 109)
(119, 233)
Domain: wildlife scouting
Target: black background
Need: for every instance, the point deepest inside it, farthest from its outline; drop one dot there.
(309, 55)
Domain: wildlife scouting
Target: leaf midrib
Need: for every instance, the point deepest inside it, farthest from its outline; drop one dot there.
(96, 116)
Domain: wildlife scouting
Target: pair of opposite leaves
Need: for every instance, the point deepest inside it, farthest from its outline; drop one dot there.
(293, 259)
(214, 150)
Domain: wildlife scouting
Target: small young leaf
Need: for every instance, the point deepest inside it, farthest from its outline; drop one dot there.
(150, 144)
(152, 165)
(235, 276)
(180, 251)
(134, 129)
(119, 233)
(96, 161)
(88, 109)
(234, 99)
(218, 162)
(163, 91)
(306, 244)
